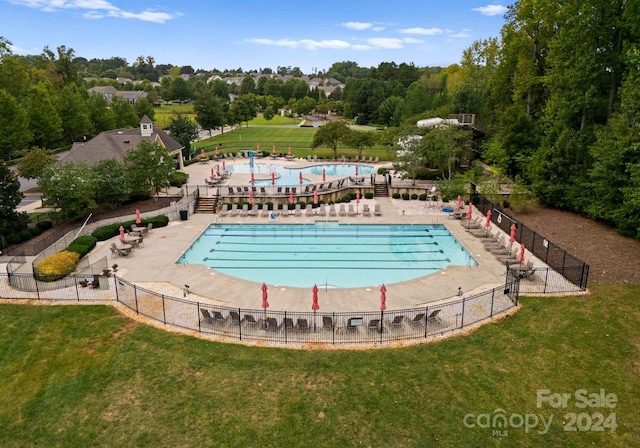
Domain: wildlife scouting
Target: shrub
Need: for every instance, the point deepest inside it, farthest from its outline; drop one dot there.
(13, 238)
(44, 225)
(56, 266)
(178, 179)
(34, 231)
(395, 195)
(269, 205)
(82, 245)
(405, 196)
(368, 195)
(111, 230)
(382, 171)
(414, 196)
(24, 235)
(422, 197)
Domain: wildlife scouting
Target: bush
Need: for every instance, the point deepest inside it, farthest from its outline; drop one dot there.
(422, 197)
(82, 245)
(44, 225)
(395, 195)
(109, 231)
(382, 171)
(414, 196)
(34, 231)
(13, 238)
(56, 266)
(24, 235)
(405, 196)
(269, 205)
(368, 195)
(178, 179)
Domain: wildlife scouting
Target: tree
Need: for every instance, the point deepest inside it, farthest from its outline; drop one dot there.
(14, 126)
(247, 86)
(144, 107)
(74, 113)
(44, 121)
(112, 182)
(71, 187)
(331, 134)
(100, 113)
(184, 130)
(244, 108)
(35, 161)
(210, 111)
(149, 168)
(10, 196)
(124, 113)
(360, 139)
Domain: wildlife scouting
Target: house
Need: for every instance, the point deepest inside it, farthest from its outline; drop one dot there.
(109, 92)
(116, 144)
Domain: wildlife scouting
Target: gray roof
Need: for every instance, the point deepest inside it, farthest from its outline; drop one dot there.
(116, 144)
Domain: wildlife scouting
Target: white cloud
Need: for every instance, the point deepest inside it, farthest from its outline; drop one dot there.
(460, 35)
(412, 40)
(422, 31)
(334, 44)
(96, 9)
(278, 43)
(358, 26)
(362, 47)
(491, 10)
(378, 28)
(386, 42)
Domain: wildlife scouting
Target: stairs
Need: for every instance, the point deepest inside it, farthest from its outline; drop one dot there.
(207, 205)
(380, 189)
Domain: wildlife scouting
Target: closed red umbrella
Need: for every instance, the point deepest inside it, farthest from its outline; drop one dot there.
(521, 254)
(488, 221)
(273, 178)
(289, 150)
(265, 302)
(138, 220)
(357, 196)
(301, 178)
(470, 212)
(315, 306)
(459, 201)
(216, 150)
(291, 196)
(273, 150)
(224, 167)
(253, 180)
(122, 239)
(213, 173)
(324, 175)
(202, 153)
(512, 233)
(218, 169)
(383, 298)
(315, 196)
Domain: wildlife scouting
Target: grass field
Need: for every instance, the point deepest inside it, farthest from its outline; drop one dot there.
(87, 376)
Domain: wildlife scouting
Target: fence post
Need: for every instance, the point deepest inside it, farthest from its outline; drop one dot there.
(381, 324)
(239, 325)
(426, 320)
(164, 313)
(493, 294)
(135, 296)
(198, 316)
(333, 327)
(464, 300)
(75, 278)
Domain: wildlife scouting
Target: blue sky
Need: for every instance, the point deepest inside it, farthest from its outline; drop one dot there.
(254, 34)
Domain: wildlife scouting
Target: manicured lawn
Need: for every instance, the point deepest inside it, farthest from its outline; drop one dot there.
(86, 376)
(163, 114)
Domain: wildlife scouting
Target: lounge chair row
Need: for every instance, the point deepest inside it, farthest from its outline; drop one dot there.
(297, 210)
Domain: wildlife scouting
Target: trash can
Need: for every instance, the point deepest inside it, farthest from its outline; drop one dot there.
(184, 215)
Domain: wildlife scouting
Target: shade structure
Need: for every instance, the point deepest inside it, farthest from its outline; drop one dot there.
(273, 178)
(224, 166)
(512, 233)
(251, 197)
(122, 240)
(273, 149)
(488, 221)
(253, 179)
(291, 196)
(138, 220)
(470, 211)
(459, 201)
(315, 306)
(216, 150)
(315, 196)
(324, 175)
(265, 296)
(301, 181)
(383, 297)
(521, 254)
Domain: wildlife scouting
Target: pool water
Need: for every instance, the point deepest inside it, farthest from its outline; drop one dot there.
(326, 253)
(291, 176)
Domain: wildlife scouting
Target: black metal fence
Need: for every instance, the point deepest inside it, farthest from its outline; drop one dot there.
(281, 327)
(569, 266)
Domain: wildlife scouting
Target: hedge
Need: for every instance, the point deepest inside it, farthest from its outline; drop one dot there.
(109, 231)
(82, 245)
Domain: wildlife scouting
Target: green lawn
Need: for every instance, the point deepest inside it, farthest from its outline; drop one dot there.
(86, 376)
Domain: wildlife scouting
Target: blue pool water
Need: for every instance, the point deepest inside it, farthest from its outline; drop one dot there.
(326, 253)
(291, 176)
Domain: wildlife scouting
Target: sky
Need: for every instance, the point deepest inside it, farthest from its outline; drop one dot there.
(248, 34)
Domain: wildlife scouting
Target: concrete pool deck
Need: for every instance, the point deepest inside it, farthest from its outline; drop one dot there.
(154, 265)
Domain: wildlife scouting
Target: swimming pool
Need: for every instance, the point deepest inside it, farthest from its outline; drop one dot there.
(326, 253)
(291, 176)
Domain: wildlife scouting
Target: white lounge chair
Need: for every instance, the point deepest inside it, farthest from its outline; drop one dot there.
(298, 210)
(376, 210)
(365, 210)
(342, 211)
(332, 210)
(351, 211)
(322, 210)
(309, 210)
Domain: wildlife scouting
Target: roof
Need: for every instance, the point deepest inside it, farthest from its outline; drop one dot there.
(116, 144)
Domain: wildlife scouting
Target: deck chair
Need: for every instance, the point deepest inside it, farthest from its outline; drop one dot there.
(254, 210)
(234, 209)
(528, 272)
(322, 210)
(434, 316)
(419, 320)
(343, 211)
(352, 211)
(287, 324)
(332, 210)
(249, 321)
(270, 324)
(376, 210)
(206, 318)
(302, 326)
(374, 325)
(327, 323)
(265, 211)
(233, 318)
(376, 159)
(309, 210)
(298, 210)
(397, 322)
(120, 251)
(245, 210)
(225, 210)
(285, 210)
(366, 211)
(350, 328)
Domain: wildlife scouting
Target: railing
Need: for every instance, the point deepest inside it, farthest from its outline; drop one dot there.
(280, 327)
(567, 265)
